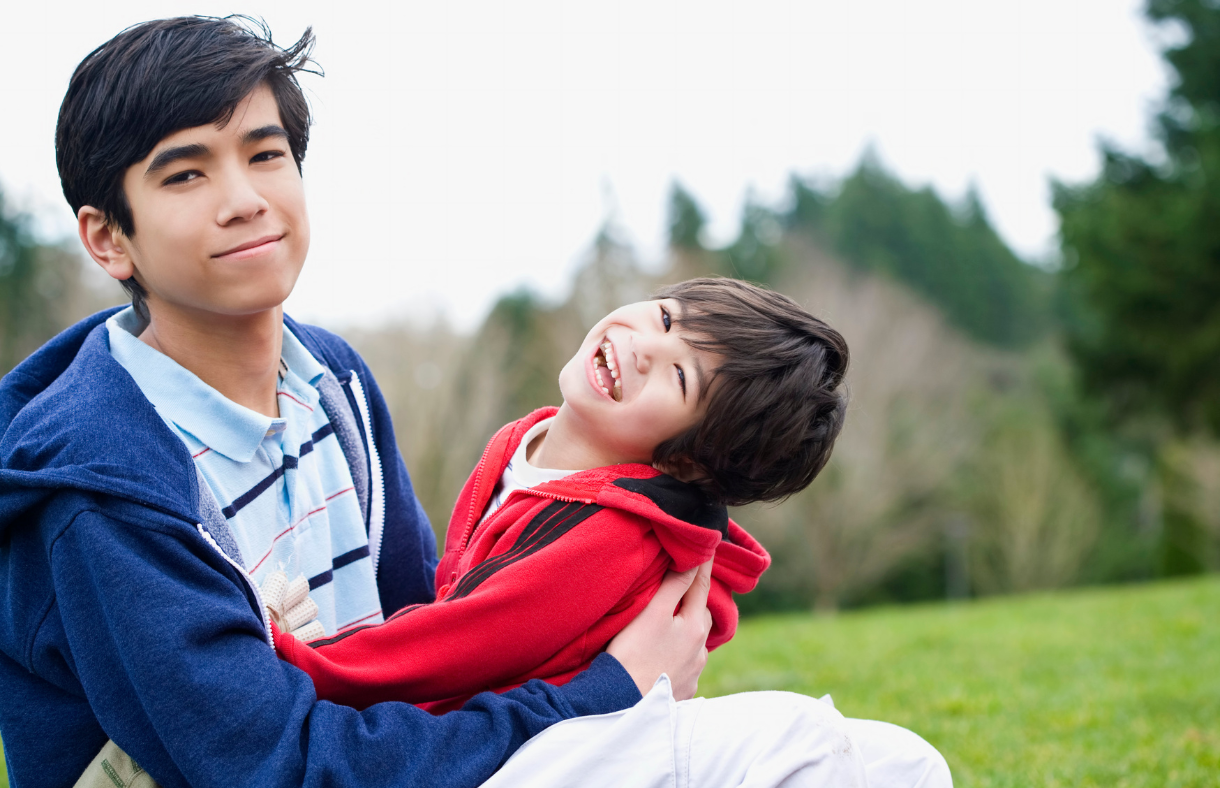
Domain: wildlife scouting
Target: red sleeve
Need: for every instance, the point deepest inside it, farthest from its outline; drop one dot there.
(521, 615)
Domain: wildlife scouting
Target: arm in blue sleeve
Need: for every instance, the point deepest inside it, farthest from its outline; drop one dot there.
(174, 661)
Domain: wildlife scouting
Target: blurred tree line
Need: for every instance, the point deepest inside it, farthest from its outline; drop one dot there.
(43, 288)
(1012, 427)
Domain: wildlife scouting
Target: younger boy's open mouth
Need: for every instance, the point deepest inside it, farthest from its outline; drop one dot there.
(605, 368)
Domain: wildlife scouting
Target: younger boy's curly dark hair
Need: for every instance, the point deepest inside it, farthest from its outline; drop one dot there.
(776, 401)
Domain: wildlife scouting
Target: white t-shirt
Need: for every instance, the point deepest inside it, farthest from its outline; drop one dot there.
(519, 474)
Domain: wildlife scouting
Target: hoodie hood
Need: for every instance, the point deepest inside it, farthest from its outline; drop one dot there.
(59, 432)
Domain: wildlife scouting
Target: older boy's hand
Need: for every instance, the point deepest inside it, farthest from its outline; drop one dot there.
(660, 640)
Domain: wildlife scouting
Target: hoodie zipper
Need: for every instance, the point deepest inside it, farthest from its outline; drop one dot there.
(473, 518)
(564, 498)
(262, 608)
(376, 476)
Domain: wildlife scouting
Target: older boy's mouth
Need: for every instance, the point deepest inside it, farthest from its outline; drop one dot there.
(605, 368)
(250, 248)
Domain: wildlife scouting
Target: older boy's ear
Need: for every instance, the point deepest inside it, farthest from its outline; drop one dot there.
(106, 244)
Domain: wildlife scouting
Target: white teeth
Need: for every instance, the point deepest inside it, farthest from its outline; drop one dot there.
(605, 389)
(614, 373)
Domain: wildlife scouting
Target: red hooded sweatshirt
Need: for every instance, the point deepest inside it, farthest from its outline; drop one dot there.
(539, 588)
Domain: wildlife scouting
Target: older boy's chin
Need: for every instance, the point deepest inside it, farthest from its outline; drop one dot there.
(254, 302)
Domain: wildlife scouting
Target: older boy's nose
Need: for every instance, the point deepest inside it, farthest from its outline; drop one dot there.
(241, 200)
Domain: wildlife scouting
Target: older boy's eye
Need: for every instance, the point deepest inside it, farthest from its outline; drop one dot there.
(267, 155)
(182, 177)
(665, 321)
(681, 380)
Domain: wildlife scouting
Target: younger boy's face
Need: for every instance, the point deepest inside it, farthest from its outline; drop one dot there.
(220, 220)
(635, 383)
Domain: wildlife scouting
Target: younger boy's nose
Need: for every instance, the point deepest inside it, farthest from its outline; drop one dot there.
(645, 350)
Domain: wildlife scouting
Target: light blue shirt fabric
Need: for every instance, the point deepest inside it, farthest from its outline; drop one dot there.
(283, 483)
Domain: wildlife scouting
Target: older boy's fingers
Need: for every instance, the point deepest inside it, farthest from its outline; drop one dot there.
(673, 590)
(658, 641)
(695, 597)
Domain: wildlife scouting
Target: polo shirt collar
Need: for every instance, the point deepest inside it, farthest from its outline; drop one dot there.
(299, 360)
(179, 396)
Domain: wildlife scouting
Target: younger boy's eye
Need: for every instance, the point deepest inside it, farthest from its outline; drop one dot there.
(665, 319)
(267, 155)
(681, 380)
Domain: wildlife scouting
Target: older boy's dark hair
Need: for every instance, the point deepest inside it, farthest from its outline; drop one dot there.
(159, 77)
(776, 401)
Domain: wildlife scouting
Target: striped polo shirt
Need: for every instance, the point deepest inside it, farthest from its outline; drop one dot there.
(283, 483)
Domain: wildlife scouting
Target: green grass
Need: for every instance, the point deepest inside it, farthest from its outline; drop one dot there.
(1102, 687)
(1098, 687)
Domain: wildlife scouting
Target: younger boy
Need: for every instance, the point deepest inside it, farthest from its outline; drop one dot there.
(735, 390)
(730, 386)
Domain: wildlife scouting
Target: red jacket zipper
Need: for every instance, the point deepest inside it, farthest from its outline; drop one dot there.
(473, 517)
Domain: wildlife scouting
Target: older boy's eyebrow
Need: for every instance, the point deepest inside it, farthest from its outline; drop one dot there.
(168, 156)
(262, 133)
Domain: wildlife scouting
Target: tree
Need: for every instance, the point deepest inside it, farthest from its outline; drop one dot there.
(755, 255)
(41, 291)
(1142, 245)
(950, 255)
(686, 219)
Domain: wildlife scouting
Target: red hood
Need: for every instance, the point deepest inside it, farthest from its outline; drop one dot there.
(690, 527)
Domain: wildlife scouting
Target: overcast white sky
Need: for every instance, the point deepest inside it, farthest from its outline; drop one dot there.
(463, 148)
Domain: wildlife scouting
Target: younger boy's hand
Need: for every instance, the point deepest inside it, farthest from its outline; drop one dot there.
(660, 640)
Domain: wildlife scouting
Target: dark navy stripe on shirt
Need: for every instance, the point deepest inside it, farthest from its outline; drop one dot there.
(290, 462)
(338, 562)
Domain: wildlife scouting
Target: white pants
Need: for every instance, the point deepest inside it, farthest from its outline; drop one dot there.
(749, 740)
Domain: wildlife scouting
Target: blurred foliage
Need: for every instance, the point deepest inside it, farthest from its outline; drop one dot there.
(1079, 689)
(1142, 248)
(1140, 292)
(686, 219)
(951, 256)
(41, 289)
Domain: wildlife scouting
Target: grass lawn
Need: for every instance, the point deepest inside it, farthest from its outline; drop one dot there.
(1101, 687)
(1096, 687)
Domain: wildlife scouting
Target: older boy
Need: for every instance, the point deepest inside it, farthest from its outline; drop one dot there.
(156, 460)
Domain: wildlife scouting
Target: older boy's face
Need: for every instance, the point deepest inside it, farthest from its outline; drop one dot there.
(635, 383)
(220, 220)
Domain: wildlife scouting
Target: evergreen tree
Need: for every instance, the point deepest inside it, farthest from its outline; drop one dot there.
(1142, 244)
(953, 258)
(755, 255)
(686, 219)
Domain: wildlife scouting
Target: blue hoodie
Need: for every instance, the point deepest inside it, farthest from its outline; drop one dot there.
(126, 616)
